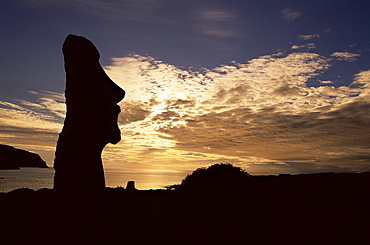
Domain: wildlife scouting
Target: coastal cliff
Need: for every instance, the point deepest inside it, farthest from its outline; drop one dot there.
(13, 158)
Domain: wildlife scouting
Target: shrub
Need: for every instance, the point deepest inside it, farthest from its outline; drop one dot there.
(217, 176)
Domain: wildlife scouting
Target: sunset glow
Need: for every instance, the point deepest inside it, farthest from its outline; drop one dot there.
(217, 85)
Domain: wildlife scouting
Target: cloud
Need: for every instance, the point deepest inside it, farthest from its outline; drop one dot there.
(362, 81)
(261, 115)
(29, 138)
(146, 79)
(304, 46)
(308, 37)
(289, 14)
(217, 15)
(47, 103)
(17, 116)
(133, 112)
(345, 56)
(296, 167)
(325, 82)
(141, 11)
(261, 111)
(362, 78)
(328, 137)
(217, 23)
(33, 125)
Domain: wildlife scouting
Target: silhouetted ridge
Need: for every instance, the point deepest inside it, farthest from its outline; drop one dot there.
(287, 209)
(13, 158)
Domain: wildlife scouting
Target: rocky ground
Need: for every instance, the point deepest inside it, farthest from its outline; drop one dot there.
(303, 209)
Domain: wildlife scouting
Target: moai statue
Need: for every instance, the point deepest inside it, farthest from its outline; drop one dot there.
(91, 120)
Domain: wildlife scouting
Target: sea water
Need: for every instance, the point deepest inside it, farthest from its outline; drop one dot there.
(33, 178)
(39, 178)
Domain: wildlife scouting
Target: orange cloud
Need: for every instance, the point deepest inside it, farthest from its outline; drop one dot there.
(260, 114)
(262, 109)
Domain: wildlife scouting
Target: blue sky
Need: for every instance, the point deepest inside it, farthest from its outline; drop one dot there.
(272, 86)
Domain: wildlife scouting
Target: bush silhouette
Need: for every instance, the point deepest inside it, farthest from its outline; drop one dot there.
(216, 177)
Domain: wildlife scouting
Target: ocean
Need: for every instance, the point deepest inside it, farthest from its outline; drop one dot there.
(38, 178)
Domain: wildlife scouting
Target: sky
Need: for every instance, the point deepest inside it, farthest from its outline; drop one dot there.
(270, 86)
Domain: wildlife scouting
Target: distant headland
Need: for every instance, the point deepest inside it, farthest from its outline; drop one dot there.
(13, 158)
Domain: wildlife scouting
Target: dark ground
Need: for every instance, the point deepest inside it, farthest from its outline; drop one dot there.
(302, 209)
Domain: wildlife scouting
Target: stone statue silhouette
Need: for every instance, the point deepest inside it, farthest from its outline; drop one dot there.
(91, 120)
